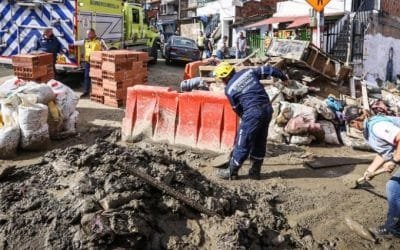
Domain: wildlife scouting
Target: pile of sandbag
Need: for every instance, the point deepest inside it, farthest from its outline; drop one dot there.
(31, 114)
(301, 118)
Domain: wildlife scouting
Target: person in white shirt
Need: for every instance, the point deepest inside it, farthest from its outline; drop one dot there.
(241, 46)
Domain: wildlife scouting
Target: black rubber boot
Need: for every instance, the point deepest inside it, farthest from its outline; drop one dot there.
(255, 169)
(229, 173)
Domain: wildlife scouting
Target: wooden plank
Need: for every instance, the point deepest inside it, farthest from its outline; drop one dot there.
(327, 162)
(237, 68)
(364, 93)
(207, 68)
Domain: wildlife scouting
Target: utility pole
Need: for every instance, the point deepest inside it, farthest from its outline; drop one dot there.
(179, 10)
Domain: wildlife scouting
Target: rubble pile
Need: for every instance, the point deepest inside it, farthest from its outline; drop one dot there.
(31, 114)
(83, 197)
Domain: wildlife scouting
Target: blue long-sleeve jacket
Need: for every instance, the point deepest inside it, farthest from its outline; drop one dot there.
(245, 91)
(49, 45)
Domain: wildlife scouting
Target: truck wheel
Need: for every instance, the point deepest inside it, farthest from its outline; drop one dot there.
(154, 52)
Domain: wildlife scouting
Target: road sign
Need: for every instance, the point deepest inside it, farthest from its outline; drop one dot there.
(318, 5)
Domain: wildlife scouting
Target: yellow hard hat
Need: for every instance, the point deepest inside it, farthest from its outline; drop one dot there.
(223, 70)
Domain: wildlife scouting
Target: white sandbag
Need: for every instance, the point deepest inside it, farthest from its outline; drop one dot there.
(355, 143)
(274, 133)
(330, 132)
(307, 112)
(9, 114)
(285, 113)
(34, 127)
(33, 117)
(35, 140)
(71, 122)
(293, 89)
(275, 95)
(43, 92)
(320, 106)
(10, 86)
(392, 100)
(9, 140)
(66, 99)
(9, 110)
(290, 110)
(301, 140)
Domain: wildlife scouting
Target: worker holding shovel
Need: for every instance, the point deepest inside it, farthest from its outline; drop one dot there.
(250, 101)
(382, 133)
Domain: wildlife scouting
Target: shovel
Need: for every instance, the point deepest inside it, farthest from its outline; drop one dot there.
(362, 179)
(354, 184)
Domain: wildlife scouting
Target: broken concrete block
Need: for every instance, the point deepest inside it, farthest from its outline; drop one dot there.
(116, 200)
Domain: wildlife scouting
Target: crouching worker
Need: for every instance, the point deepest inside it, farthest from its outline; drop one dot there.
(382, 133)
(250, 101)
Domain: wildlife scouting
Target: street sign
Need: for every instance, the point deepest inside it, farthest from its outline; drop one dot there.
(318, 5)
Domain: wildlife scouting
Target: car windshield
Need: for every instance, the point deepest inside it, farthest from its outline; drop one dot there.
(184, 42)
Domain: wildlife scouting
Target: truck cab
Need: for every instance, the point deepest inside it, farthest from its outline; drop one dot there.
(138, 34)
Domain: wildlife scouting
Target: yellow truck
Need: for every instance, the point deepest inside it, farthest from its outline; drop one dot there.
(121, 24)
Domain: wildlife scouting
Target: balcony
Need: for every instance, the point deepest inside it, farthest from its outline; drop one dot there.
(168, 1)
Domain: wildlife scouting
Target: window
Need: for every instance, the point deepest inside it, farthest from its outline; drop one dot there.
(181, 42)
(135, 16)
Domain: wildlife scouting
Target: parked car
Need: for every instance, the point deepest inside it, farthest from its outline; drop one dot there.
(180, 48)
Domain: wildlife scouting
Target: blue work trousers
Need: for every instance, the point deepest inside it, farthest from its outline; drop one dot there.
(252, 135)
(220, 55)
(393, 198)
(86, 82)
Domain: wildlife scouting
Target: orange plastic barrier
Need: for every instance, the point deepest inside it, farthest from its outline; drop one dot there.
(188, 119)
(192, 69)
(166, 115)
(197, 119)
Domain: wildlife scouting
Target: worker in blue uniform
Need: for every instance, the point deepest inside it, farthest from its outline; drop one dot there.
(250, 101)
(50, 44)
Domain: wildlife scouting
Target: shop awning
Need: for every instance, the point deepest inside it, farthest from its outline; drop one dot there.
(294, 20)
(299, 22)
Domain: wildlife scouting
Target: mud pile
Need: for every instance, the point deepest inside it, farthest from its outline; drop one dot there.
(81, 197)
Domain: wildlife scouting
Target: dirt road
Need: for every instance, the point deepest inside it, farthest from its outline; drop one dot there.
(309, 205)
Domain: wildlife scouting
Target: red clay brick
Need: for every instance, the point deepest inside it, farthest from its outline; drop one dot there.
(95, 64)
(118, 76)
(95, 98)
(116, 67)
(116, 103)
(96, 56)
(96, 73)
(96, 81)
(97, 90)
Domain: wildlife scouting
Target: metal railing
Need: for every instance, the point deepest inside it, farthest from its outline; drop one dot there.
(360, 23)
(256, 42)
(333, 32)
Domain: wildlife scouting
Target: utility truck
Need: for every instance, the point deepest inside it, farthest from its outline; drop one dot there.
(121, 24)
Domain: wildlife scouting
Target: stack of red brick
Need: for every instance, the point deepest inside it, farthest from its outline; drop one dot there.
(112, 72)
(34, 67)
